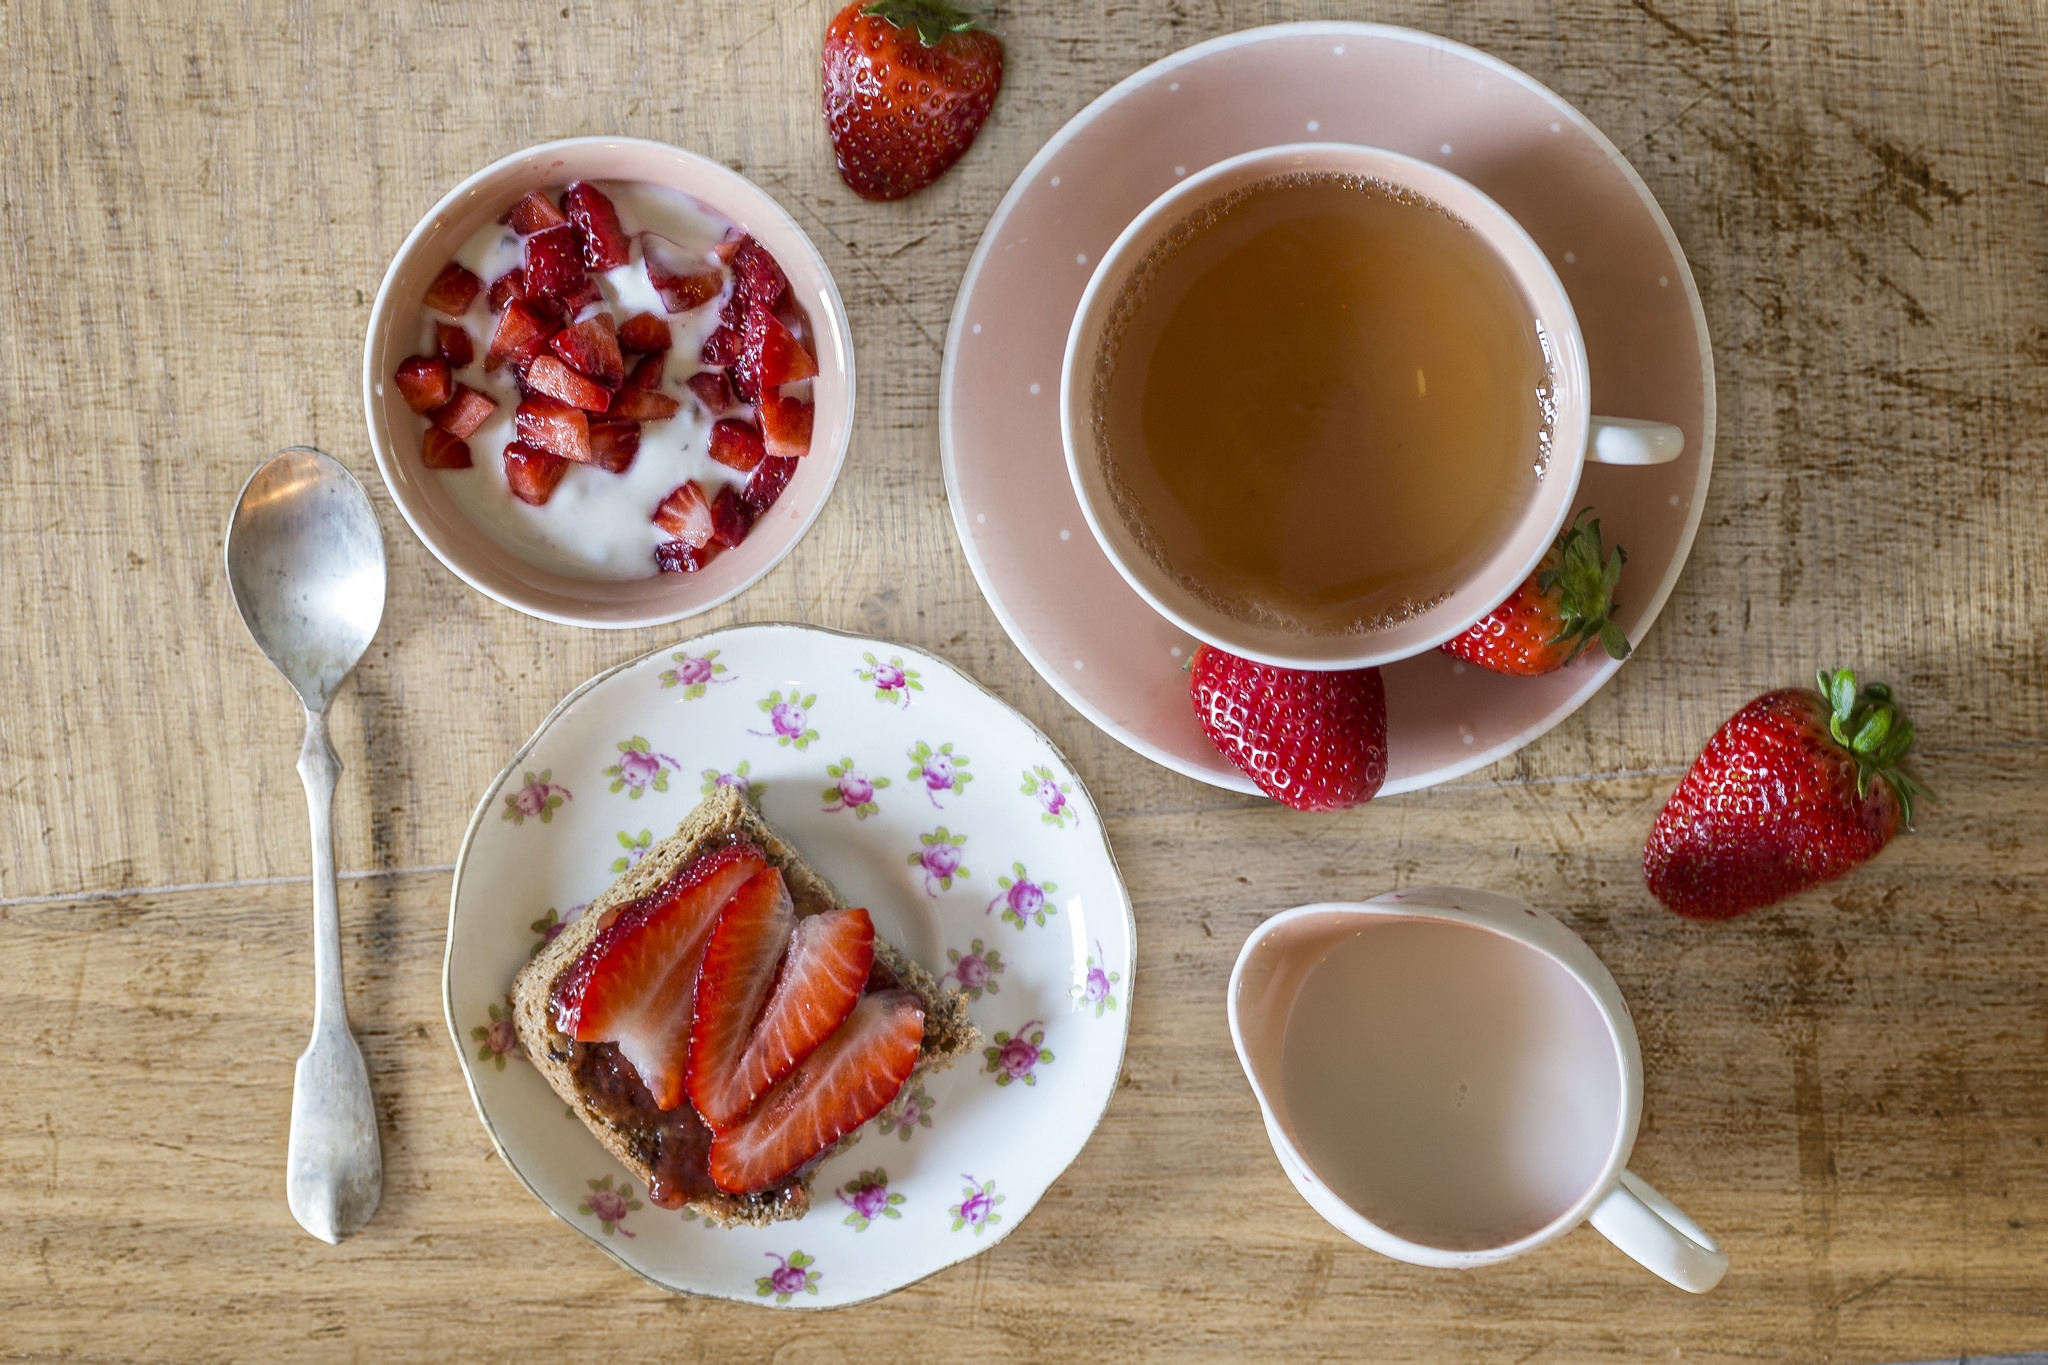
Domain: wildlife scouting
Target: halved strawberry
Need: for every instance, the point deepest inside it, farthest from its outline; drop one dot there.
(533, 472)
(554, 427)
(752, 934)
(464, 412)
(452, 291)
(535, 213)
(439, 450)
(686, 514)
(679, 556)
(852, 1076)
(548, 375)
(730, 518)
(592, 348)
(722, 347)
(520, 333)
(644, 405)
(639, 990)
(613, 444)
(786, 426)
(711, 390)
(507, 287)
(759, 276)
(767, 484)
(554, 261)
(605, 243)
(454, 344)
(423, 381)
(684, 279)
(648, 371)
(736, 445)
(646, 332)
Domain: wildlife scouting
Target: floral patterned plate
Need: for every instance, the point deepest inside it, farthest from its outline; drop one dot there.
(918, 795)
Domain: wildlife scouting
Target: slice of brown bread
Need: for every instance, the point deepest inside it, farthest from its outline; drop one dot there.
(718, 819)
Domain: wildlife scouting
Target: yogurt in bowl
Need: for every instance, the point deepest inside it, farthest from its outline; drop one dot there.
(693, 468)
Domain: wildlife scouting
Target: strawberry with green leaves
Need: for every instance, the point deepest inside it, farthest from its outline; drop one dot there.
(1558, 612)
(1796, 789)
(908, 84)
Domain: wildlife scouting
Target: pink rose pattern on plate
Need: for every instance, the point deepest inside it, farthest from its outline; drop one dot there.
(977, 1206)
(939, 860)
(539, 797)
(1094, 990)
(1022, 900)
(852, 790)
(694, 673)
(975, 970)
(869, 1197)
(636, 849)
(789, 720)
(640, 768)
(907, 1114)
(737, 778)
(1017, 1056)
(940, 769)
(610, 1206)
(1052, 796)
(550, 924)
(789, 1278)
(891, 680)
(498, 1038)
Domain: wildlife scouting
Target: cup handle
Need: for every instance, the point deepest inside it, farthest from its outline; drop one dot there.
(1652, 1230)
(1624, 440)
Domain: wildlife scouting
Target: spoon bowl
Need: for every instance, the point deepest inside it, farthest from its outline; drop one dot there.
(305, 565)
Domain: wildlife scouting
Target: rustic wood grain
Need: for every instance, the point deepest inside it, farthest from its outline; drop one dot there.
(1851, 1090)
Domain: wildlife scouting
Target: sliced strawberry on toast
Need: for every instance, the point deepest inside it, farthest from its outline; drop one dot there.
(851, 1077)
(452, 291)
(590, 209)
(740, 966)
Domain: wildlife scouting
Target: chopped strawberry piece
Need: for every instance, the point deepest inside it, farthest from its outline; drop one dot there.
(452, 291)
(772, 354)
(605, 243)
(454, 344)
(535, 213)
(644, 405)
(592, 348)
(439, 450)
(464, 412)
(640, 987)
(851, 1077)
(648, 372)
(730, 519)
(548, 375)
(519, 335)
(729, 245)
(533, 472)
(679, 556)
(613, 443)
(736, 445)
(555, 427)
(645, 332)
(711, 390)
(507, 287)
(760, 278)
(786, 426)
(749, 940)
(552, 311)
(767, 484)
(686, 514)
(722, 347)
(582, 296)
(683, 280)
(554, 261)
(424, 381)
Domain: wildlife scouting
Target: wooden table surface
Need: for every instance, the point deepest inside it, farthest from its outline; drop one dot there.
(1850, 1089)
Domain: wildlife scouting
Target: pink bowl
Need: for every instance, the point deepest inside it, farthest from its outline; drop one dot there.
(459, 543)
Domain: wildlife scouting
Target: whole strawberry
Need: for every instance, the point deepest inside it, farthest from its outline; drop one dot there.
(1314, 741)
(908, 84)
(1797, 788)
(1558, 611)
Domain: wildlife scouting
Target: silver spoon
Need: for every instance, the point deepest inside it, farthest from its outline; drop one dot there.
(305, 565)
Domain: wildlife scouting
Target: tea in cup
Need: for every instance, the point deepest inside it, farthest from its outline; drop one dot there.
(1451, 1077)
(1324, 406)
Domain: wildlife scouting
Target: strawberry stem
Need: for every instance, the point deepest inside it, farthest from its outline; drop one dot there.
(1868, 724)
(1584, 584)
(933, 19)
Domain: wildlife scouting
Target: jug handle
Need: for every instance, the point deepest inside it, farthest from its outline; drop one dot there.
(1652, 1230)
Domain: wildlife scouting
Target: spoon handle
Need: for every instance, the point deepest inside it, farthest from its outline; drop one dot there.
(334, 1168)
